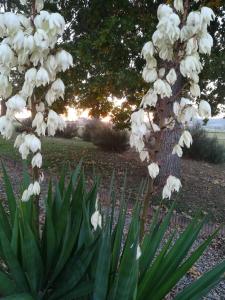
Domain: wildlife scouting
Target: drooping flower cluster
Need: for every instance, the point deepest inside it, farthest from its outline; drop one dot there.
(172, 58)
(29, 47)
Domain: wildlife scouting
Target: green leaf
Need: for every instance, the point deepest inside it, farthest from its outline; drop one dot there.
(103, 266)
(31, 256)
(81, 290)
(203, 285)
(7, 286)
(73, 272)
(11, 260)
(49, 235)
(10, 194)
(22, 296)
(126, 281)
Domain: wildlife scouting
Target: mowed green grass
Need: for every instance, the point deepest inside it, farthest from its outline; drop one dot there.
(56, 151)
(219, 135)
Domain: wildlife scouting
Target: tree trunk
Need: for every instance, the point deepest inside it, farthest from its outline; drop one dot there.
(170, 164)
(3, 108)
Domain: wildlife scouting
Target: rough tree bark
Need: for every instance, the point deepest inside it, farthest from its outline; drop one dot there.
(169, 163)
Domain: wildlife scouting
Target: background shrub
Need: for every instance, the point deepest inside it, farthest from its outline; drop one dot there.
(110, 139)
(205, 148)
(91, 129)
(105, 137)
(70, 131)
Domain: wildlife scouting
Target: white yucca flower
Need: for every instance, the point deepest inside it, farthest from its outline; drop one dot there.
(190, 65)
(179, 5)
(26, 196)
(38, 119)
(18, 41)
(42, 77)
(138, 254)
(166, 193)
(39, 5)
(177, 150)
(153, 170)
(162, 72)
(192, 46)
(185, 139)
(171, 76)
(162, 88)
(164, 11)
(37, 160)
(28, 43)
(149, 75)
(195, 90)
(150, 99)
(7, 57)
(96, 220)
(24, 150)
(205, 44)
(5, 86)
(148, 50)
(12, 22)
(144, 155)
(207, 14)
(204, 109)
(16, 103)
(32, 142)
(64, 60)
(6, 127)
(173, 183)
(50, 97)
(36, 188)
(19, 140)
(54, 122)
(41, 39)
(58, 88)
(31, 75)
(194, 21)
(40, 107)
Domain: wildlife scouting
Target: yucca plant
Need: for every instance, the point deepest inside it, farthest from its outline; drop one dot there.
(68, 259)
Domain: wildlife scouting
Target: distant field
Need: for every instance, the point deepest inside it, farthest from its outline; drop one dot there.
(219, 135)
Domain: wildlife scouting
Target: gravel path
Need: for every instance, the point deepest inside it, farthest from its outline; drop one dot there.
(213, 255)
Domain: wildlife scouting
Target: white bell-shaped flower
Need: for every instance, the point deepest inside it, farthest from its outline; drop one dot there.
(185, 139)
(171, 76)
(162, 88)
(42, 77)
(24, 150)
(64, 60)
(149, 75)
(32, 142)
(150, 99)
(11, 22)
(148, 50)
(153, 170)
(179, 5)
(177, 150)
(164, 11)
(207, 14)
(7, 57)
(205, 44)
(96, 220)
(195, 90)
(59, 88)
(31, 75)
(144, 155)
(37, 161)
(39, 5)
(16, 103)
(6, 127)
(41, 39)
(204, 109)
